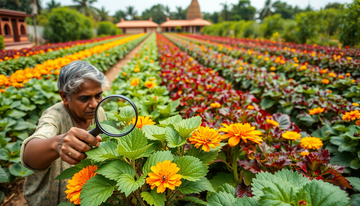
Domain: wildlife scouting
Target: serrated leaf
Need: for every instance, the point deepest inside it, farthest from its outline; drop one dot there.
(156, 157)
(173, 138)
(19, 170)
(170, 121)
(227, 188)
(154, 132)
(205, 157)
(154, 198)
(221, 199)
(133, 145)
(189, 187)
(187, 126)
(191, 168)
(103, 152)
(354, 182)
(355, 199)
(221, 178)
(115, 168)
(69, 172)
(127, 183)
(194, 200)
(65, 204)
(96, 190)
(246, 201)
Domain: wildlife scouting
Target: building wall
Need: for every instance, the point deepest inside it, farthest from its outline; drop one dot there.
(139, 30)
(15, 34)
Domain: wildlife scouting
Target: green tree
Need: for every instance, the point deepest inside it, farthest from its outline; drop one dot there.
(289, 34)
(225, 11)
(156, 12)
(20, 5)
(243, 10)
(118, 15)
(130, 11)
(266, 11)
(52, 4)
(349, 26)
(272, 24)
(286, 11)
(65, 25)
(103, 15)
(180, 13)
(333, 6)
(306, 26)
(107, 28)
(85, 7)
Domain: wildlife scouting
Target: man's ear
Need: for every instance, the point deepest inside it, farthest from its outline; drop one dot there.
(64, 97)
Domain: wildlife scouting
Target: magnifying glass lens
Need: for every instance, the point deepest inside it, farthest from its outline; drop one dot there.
(116, 116)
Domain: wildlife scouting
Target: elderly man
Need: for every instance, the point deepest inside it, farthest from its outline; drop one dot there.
(56, 143)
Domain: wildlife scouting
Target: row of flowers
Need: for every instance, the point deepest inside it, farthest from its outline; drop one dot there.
(291, 68)
(336, 62)
(16, 53)
(53, 66)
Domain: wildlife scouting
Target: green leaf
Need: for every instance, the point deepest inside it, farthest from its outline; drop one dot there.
(154, 132)
(355, 164)
(324, 194)
(187, 126)
(173, 138)
(246, 201)
(2, 196)
(106, 150)
(156, 157)
(16, 114)
(227, 188)
(354, 182)
(66, 204)
(307, 119)
(345, 144)
(127, 183)
(343, 159)
(170, 108)
(340, 128)
(115, 168)
(221, 178)
(3, 176)
(267, 103)
(170, 121)
(355, 199)
(18, 170)
(205, 157)
(96, 190)
(221, 199)
(189, 187)
(191, 168)
(154, 198)
(133, 145)
(195, 200)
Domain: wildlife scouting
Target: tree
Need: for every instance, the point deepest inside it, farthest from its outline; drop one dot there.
(103, 15)
(130, 11)
(266, 11)
(180, 13)
(20, 5)
(52, 4)
(306, 27)
(286, 11)
(272, 24)
(225, 11)
(84, 7)
(118, 15)
(156, 12)
(349, 24)
(333, 6)
(167, 11)
(243, 10)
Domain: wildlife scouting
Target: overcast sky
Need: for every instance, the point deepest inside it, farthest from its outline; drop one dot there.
(205, 5)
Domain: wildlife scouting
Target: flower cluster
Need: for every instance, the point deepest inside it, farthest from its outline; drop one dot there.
(351, 116)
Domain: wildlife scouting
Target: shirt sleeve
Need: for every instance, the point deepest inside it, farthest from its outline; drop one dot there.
(47, 127)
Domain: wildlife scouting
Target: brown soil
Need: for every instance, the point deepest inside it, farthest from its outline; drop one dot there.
(114, 70)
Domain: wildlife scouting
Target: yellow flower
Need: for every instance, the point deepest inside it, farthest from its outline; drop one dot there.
(355, 104)
(250, 107)
(332, 74)
(136, 69)
(348, 74)
(205, 137)
(215, 105)
(164, 176)
(304, 153)
(290, 135)
(134, 82)
(311, 143)
(239, 131)
(272, 122)
(350, 116)
(75, 184)
(272, 68)
(316, 111)
(142, 121)
(325, 81)
(150, 84)
(303, 67)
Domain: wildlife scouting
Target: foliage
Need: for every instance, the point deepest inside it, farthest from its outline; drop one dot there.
(306, 28)
(272, 24)
(349, 29)
(107, 28)
(2, 45)
(67, 25)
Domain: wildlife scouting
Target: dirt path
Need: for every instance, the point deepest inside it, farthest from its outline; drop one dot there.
(114, 70)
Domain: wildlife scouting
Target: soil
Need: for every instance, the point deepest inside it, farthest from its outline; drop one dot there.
(14, 191)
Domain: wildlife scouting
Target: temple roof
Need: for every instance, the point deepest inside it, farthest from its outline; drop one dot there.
(13, 13)
(193, 22)
(136, 23)
(194, 10)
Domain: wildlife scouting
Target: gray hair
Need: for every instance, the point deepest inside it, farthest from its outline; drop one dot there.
(74, 74)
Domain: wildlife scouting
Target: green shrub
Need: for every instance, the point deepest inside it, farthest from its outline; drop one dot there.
(251, 29)
(289, 33)
(67, 25)
(349, 24)
(272, 24)
(2, 45)
(107, 28)
(306, 26)
(178, 29)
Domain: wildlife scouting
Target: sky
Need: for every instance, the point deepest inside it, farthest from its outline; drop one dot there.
(205, 5)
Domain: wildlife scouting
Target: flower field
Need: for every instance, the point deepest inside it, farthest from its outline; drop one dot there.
(222, 121)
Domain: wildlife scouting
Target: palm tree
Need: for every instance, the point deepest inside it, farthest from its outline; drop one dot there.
(84, 7)
(104, 15)
(52, 5)
(266, 11)
(167, 11)
(179, 14)
(118, 15)
(225, 11)
(130, 10)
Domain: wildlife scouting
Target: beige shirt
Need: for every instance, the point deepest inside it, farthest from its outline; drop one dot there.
(41, 188)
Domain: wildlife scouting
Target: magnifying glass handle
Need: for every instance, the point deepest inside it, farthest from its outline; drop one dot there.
(95, 132)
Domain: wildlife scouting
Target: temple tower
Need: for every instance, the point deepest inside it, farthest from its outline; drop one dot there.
(194, 10)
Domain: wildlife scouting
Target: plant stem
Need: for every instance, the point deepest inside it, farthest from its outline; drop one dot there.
(321, 120)
(134, 167)
(182, 151)
(234, 164)
(169, 197)
(138, 197)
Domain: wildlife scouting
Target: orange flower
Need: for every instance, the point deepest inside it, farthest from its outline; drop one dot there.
(316, 111)
(311, 143)
(215, 105)
(290, 135)
(272, 122)
(239, 131)
(136, 69)
(150, 84)
(304, 153)
(57, 72)
(134, 82)
(142, 121)
(272, 68)
(332, 74)
(325, 81)
(164, 176)
(323, 71)
(350, 116)
(124, 73)
(355, 104)
(348, 74)
(75, 184)
(358, 123)
(250, 107)
(205, 137)
(329, 91)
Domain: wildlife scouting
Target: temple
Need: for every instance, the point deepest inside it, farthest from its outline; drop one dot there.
(13, 27)
(137, 26)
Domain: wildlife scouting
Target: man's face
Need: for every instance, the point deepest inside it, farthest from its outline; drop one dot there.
(83, 103)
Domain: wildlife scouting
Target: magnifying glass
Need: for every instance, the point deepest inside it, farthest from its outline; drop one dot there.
(115, 116)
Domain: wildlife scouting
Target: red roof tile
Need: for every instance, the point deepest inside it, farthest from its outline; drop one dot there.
(192, 22)
(136, 24)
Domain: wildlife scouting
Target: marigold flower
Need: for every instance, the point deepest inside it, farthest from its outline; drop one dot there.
(329, 91)
(311, 143)
(290, 135)
(164, 176)
(134, 82)
(358, 122)
(323, 71)
(239, 131)
(215, 105)
(75, 184)
(206, 137)
(57, 72)
(142, 121)
(355, 104)
(272, 68)
(124, 73)
(304, 153)
(272, 122)
(150, 84)
(240, 68)
(136, 69)
(325, 81)
(348, 74)
(350, 116)
(332, 74)
(250, 107)
(303, 67)
(316, 111)
(341, 77)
